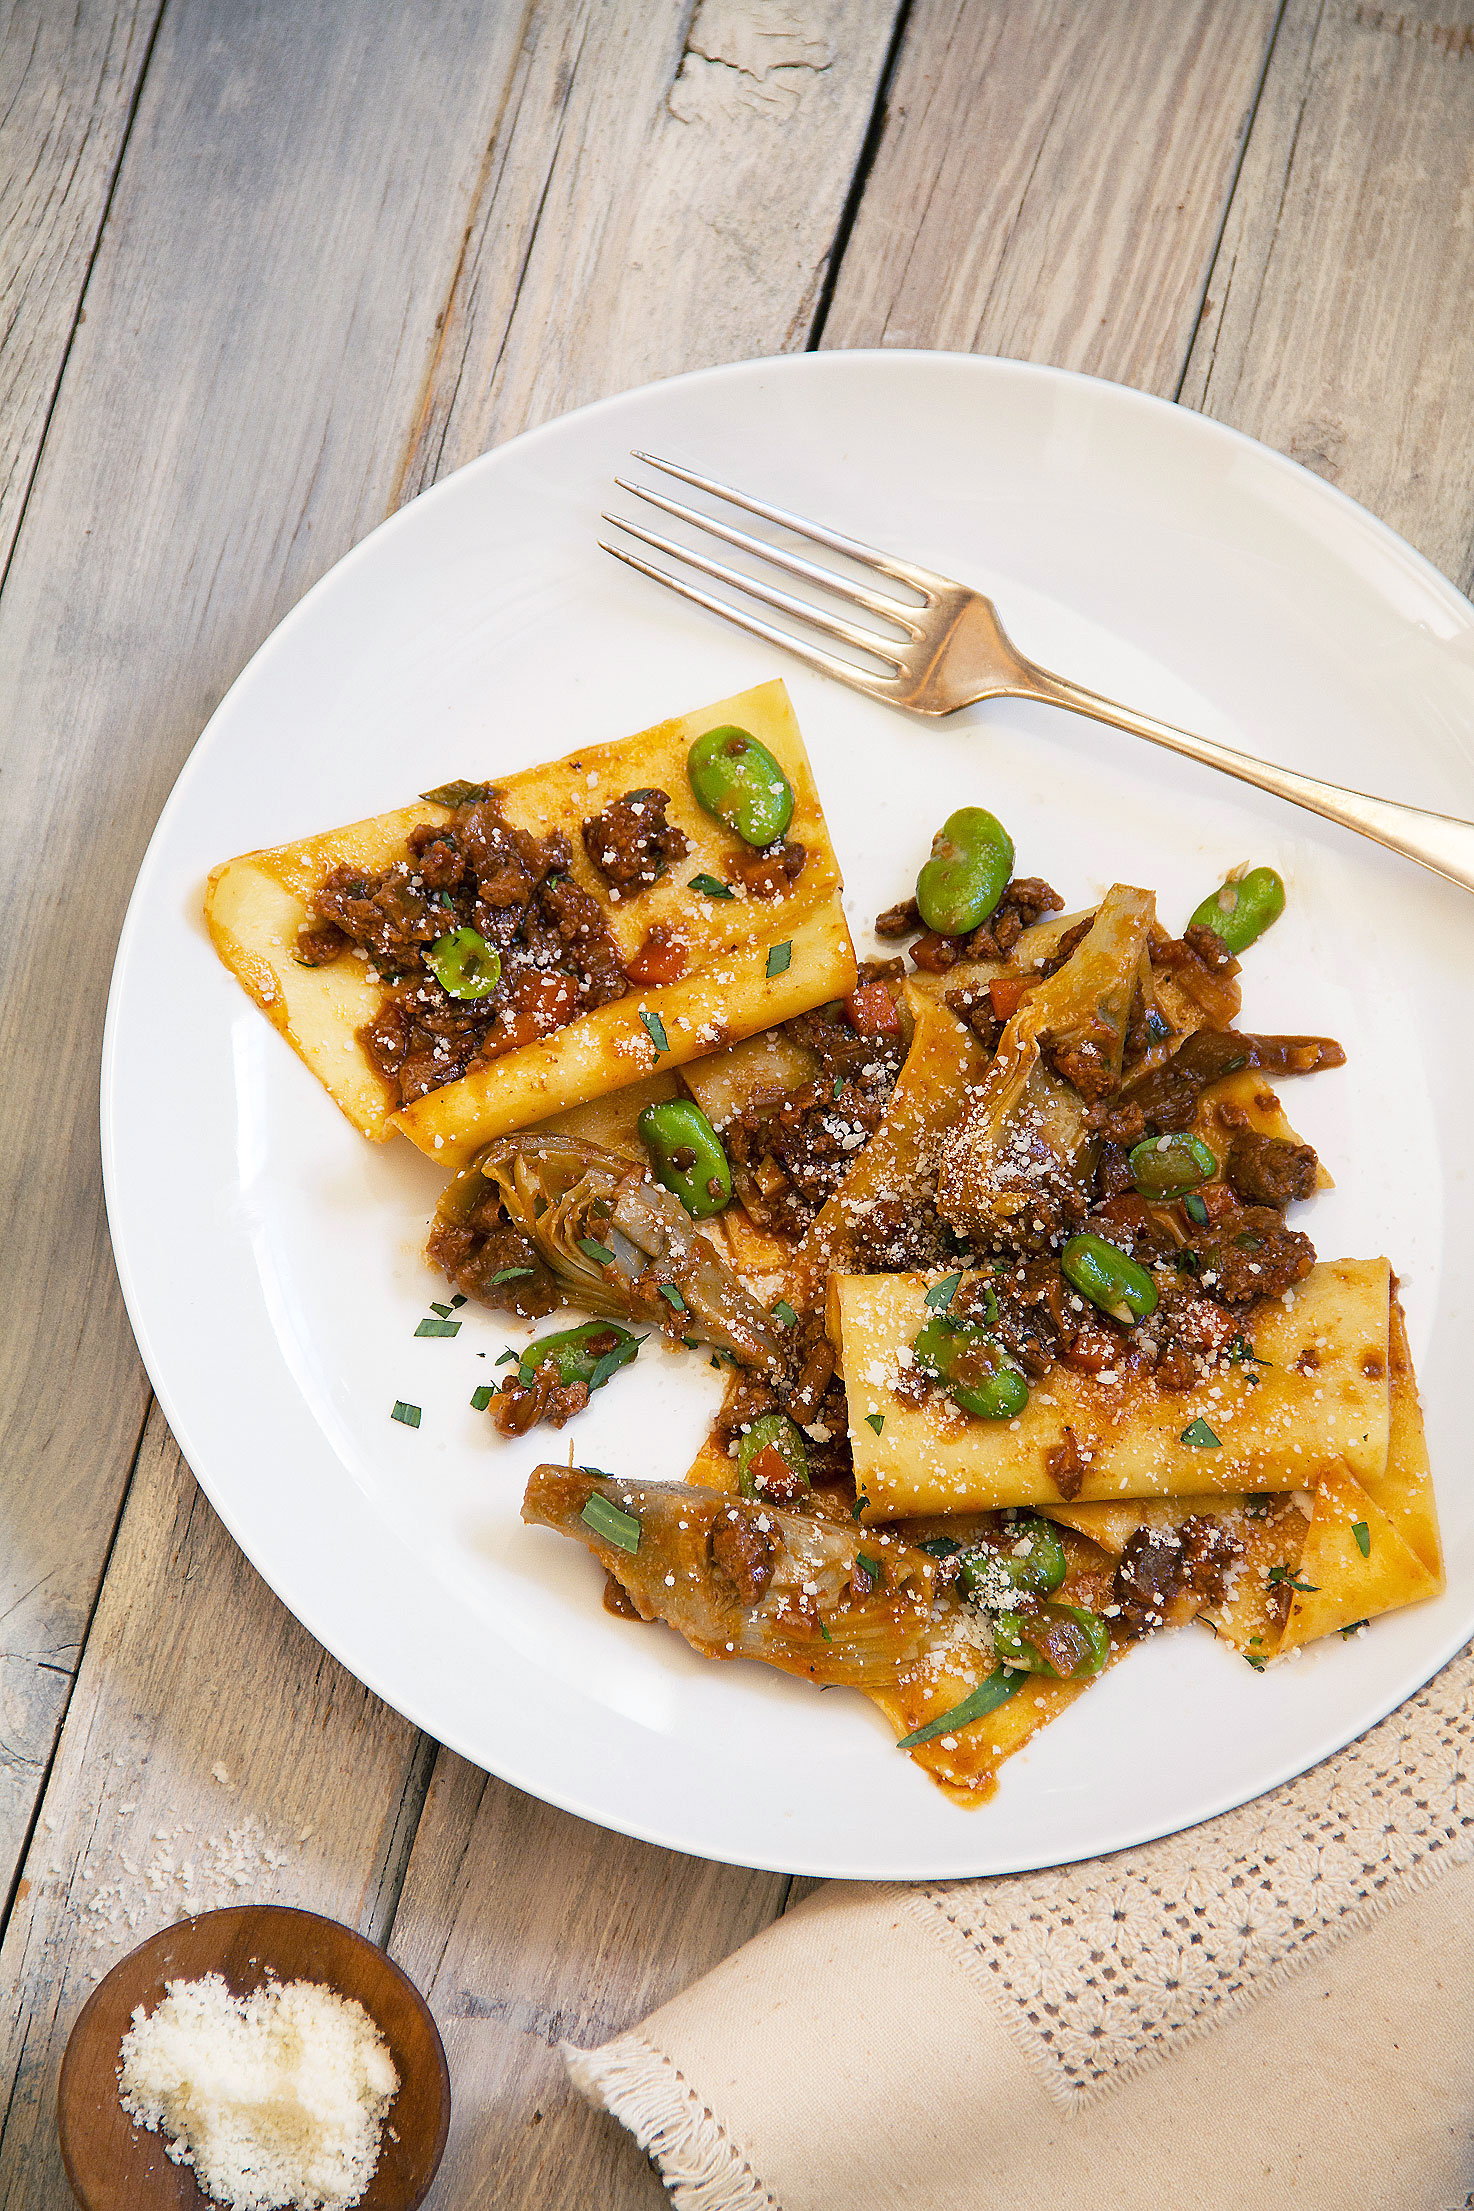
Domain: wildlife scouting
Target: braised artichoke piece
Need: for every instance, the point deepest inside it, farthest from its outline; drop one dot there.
(739, 1579)
(616, 1243)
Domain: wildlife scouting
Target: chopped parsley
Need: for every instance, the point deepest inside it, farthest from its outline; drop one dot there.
(655, 1030)
(710, 887)
(443, 1310)
(784, 1314)
(610, 1521)
(673, 1296)
(593, 1249)
(438, 1328)
(1351, 1630)
(861, 1501)
(941, 1294)
(511, 1274)
(995, 1689)
(1284, 1574)
(509, 1356)
(1200, 1435)
(779, 956)
(613, 1360)
(1363, 1536)
(1194, 1208)
(409, 1414)
(875, 1421)
(457, 1302)
(482, 1397)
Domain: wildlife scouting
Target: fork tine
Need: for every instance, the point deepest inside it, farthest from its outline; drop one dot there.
(844, 671)
(793, 564)
(782, 602)
(924, 580)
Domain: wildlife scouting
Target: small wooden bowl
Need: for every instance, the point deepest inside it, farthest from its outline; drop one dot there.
(115, 2165)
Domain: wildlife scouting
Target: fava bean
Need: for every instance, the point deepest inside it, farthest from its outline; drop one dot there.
(1170, 1166)
(687, 1155)
(1239, 911)
(738, 781)
(972, 1368)
(971, 862)
(464, 964)
(1065, 1641)
(773, 1459)
(982, 1570)
(588, 1354)
(1103, 1273)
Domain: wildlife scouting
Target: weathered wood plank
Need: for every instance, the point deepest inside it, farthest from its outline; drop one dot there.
(1337, 322)
(662, 197)
(1051, 179)
(526, 1928)
(68, 77)
(198, 1767)
(283, 233)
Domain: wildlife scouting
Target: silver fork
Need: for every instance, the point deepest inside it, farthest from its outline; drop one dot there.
(954, 651)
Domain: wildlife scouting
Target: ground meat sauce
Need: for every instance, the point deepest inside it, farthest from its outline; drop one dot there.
(631, 843)
(1165, 1100)
(476, 871)
(770, 871)
(808, 1390)
(743, 1549)
(1165, 1575)
(489, 1259)
(1025, 900)
(790, 1154)
(1269, 1170)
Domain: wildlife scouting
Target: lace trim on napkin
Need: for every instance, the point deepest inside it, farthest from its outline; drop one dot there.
(1097, 1968)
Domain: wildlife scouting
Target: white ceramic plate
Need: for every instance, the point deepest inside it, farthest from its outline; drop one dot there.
(270, 1257)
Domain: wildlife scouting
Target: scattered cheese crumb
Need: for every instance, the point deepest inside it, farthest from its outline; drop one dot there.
(274, 2099)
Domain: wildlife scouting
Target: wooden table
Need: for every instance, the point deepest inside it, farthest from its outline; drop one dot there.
(268, 268)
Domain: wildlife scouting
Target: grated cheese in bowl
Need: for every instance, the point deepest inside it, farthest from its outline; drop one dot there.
(275, 2099)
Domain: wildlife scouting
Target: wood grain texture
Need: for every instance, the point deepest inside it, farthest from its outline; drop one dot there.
(213, 1754)
(663, 194)
(283, 233)
(68, 77)
(1051, 180)
(1337, 324)
(525, 1928)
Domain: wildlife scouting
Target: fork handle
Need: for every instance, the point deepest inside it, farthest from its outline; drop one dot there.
(1438, 841)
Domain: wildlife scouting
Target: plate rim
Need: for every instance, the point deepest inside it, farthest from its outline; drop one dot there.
(1307, 483)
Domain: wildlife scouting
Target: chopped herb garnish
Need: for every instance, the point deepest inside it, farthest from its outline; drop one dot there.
(482, 1397)
(1256, 1663)
(710, 887)
(1198, 1433)
(672, 1296)
(442, 1310)
(692, 1343)
(610, 1521)
(875, 1421)
(1258, 1508)
(409, 1414)
(996, 1689)
(716, 1362)
(941, 1294)
(511, 1274)
(871, 1565)
(1194, 1208)
(1351, 1630)
(861, 1501)
(784, 1314)
(457, 794)
(1241, 1352)
(939, 1546)
(1363, 1536)
(593, 1249)
(613, 1360)
(438, 1328)
(838, 1090)
(508, 1356)
(457, 1302)
(825, 1632)
(655, 1030)
(1283, 1573)
(779, 956)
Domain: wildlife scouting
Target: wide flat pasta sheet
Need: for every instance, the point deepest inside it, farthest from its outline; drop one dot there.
(256, 904)
(1320, 1395)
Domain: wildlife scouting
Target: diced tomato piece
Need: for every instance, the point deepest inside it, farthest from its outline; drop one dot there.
(871, 1010)
(660, 959)
(936, 953)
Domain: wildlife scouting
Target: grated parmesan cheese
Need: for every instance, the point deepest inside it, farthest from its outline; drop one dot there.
(274, 2099)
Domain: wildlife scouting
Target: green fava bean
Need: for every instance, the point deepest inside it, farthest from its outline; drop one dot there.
(464, 964)
(588, 1354)
(971, 862)
(772, 1432)
(967, 1361)
(687, 1155)
(1170, 1166)
(1065, 1641)
(738, 781)
(1040, 1568)
(1241, 911)
(1104, 1274)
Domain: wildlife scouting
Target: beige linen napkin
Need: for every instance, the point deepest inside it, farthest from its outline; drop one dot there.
(1042, 2040)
